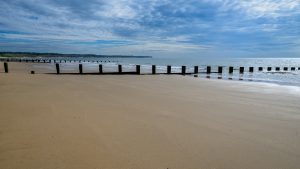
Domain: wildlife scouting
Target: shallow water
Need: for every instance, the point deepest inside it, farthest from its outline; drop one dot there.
(282, 77)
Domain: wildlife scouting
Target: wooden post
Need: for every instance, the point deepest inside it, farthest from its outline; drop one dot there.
(120, 69)
(269, 68)
(5, 67)
(80, 68)
(260, 69)
(169, 69)
(230, 70)
(285, 68)
(57, 69)
(208, 69)
(277, 68)
(100, 69)
(251, 69)
(153, 69)
(183, 70)
(242, 70)
(196, 69)
(293, 68)
(220, 69)
(138, 69)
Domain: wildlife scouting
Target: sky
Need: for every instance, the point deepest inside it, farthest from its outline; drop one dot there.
(160, 28)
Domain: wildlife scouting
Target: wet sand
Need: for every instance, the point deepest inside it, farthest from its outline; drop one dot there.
(175, 122)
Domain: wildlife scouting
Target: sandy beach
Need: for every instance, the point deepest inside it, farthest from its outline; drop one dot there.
(145, 122)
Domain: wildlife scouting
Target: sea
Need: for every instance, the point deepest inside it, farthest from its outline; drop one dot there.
(281, 77)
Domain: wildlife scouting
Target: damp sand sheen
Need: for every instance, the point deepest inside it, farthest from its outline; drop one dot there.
(145, 122)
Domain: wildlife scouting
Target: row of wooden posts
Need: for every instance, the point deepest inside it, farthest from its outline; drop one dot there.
(48, 60)
(251, 69)
(183, 69)
(169, 69)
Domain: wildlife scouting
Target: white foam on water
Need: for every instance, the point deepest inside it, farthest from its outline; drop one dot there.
(267, 88)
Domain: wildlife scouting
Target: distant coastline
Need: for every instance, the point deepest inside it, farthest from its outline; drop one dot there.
(35, 54)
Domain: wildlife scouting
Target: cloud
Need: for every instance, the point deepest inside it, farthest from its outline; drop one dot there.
(129, 26)
(270, 8)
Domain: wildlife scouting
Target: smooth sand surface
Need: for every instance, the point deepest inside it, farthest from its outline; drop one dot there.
(145, 122)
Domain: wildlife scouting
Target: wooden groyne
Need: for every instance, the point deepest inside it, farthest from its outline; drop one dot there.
(169, 69)
(184, 70)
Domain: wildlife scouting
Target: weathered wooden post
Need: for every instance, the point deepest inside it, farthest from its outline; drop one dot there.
(208, 69)
(293, 68)
(5, 67)
(138, 69)
(120, 69)
(100, 69)
(285, 68)
(242, 69)
(230, 70)
(277, 68)
(153, 69)
(269, 68)
(220, 69)
(169, 69)
(80, 68)
(57, 68)
(196, 69)
(260, 69)
(251, 69)
(183, 70)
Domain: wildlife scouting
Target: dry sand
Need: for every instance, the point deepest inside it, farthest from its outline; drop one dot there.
(145, 122)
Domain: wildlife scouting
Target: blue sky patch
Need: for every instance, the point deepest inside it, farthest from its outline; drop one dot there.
(200, 28)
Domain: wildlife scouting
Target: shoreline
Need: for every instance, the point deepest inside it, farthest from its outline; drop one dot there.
(49, 68)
